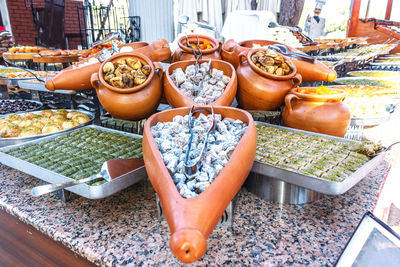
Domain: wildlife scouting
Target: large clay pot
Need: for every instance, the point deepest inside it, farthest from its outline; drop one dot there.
(192, 220)
(310, 72)
(176, 98)
(326, 114)
(79, 79)
(259, 90)
(134, 103)
(185, 53)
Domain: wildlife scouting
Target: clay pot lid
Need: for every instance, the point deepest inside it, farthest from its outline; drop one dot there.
(121, 56)
(340, 96)
(193, 40)
(184, 64)
(269, 75)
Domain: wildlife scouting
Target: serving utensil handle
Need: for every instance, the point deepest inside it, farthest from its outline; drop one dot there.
(48, 188)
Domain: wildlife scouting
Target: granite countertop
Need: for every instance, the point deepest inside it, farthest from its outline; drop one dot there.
(123, 229)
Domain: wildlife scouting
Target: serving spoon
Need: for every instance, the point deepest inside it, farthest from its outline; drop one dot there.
(110, 169)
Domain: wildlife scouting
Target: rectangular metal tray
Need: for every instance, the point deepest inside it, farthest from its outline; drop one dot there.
(84, 190)
(314, 183)
(36, 86)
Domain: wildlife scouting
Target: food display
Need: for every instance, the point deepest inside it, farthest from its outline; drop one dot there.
(81, 153)
(375, 74)
(58, 52)
(25, 74)
(381, 82)
(320, 90)
(281, 35)
(314, 156)
(14, 106)
(172, 141)
(272, 62)
(43, 122)
(98, 48)
(25, 49)
(6, 41)
(9, 70)
(205, 87)
(126, 73)
(203, 44)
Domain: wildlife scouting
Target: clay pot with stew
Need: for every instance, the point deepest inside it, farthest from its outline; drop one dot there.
(79, 78)
(260, 90)
(184, 52)
(310, 72)
(134, 103)
(326, 114)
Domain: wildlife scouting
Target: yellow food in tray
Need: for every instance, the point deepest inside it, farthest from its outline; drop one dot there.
(37, 123)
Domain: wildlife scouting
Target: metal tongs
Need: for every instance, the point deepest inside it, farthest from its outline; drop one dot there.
(191, 169)
(197, 55)
(283, 50)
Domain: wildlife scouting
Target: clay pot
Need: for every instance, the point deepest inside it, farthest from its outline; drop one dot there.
(260, 90)
(326, 114)
(186, 53)
(192, 220)
(310, 72)
(176, 98)
(79, 79)
(134, 103)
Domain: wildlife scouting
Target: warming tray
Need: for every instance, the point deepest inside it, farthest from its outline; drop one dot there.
(35, 85)
(18, 140)
(313, 183)
(84, 190)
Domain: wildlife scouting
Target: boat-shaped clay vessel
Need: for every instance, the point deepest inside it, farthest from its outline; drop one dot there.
(185, 53)
(192, 220)
(310, 72)
(260, 90)
(79, 78)
(326, 114)
(176, 98)
(134, 103)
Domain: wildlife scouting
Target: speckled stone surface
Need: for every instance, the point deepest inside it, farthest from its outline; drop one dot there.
(123, 229)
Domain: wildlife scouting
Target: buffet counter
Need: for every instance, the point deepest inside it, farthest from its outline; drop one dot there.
(124, 229)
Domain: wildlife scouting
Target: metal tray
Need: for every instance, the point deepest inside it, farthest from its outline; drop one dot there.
(84, 190)
(396, 74)
(314, 183)
(27, 100)
(18, 140)
(39, 86)
(388, 63)
(372, 81)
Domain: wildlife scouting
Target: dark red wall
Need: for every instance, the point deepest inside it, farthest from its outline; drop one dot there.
(24, 30)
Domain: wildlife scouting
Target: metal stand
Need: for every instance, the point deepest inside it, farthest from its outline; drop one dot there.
(224, 222)
(62, 194)
(277, 191)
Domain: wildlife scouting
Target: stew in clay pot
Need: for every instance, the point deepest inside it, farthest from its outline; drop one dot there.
(224, 74)
(192, 215)
(78, 77)
(319, 110)
(310, 72)
(259, 89)
(132, 97)
(184, 52)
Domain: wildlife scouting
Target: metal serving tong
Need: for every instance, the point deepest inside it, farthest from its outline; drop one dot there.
(197, 55)
(191, 169)
(283, 50)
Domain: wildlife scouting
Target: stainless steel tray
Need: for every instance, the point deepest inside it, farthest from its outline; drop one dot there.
(39, 86)
(371, 121)
(19, 112)
(373, 81)
(18, 140)
(314, 183)
(395, 74)
(84, 190)
(388, 63)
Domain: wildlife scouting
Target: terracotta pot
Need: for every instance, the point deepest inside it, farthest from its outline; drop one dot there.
(326, 114)
(134, 103)
(310, 72)
(186, 53)
(192, 220)
(176, 98)
(79, 79)
(259, 90)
